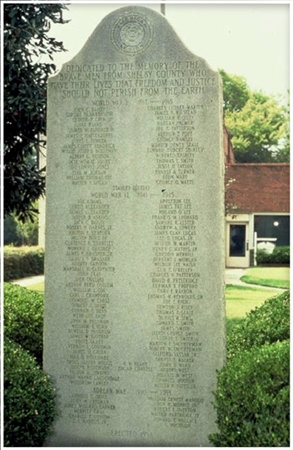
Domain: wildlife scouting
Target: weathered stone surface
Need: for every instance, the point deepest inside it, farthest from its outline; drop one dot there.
(134, 308)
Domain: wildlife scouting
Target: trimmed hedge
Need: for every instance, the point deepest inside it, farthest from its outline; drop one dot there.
(252, 398)
(21, 262)
(23, 318)
(264, 325)
(29, 399)
(280, 255)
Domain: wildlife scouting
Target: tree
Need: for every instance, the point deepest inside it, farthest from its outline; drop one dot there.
(258, 124)
(19, 233)
(235, 91)
(284, 152)
(26, 40)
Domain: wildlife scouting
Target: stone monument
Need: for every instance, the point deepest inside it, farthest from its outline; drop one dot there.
(134, 305)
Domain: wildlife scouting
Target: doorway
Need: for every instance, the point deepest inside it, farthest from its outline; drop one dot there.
(237, 245)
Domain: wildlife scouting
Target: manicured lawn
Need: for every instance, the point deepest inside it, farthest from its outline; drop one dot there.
(268, 276)
(241, 299)
(37, 287)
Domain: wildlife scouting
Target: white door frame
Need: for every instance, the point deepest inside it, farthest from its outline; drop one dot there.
(237, 249)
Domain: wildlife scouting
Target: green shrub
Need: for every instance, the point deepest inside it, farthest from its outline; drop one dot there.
(280, 255)
(23, 318)
(21, 262)
(252, 399)
(267, 324)
(29, 399)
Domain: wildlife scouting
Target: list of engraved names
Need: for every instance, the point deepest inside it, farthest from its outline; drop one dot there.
(169, 96)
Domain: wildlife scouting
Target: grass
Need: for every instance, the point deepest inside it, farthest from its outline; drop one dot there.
(268, 276)
(37, 287)
(241, 299)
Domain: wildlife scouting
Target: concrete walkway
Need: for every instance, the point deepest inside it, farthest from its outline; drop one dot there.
(232, 276)
(25, 282)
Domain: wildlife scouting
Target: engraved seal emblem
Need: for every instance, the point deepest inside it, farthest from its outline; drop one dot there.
(132, 33)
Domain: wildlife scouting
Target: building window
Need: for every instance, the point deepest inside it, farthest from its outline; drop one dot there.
(273, 227)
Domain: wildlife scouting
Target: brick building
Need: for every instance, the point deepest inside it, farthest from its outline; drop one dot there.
(257, 203)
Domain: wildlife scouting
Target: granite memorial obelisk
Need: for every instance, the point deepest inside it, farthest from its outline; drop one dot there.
(134, 303)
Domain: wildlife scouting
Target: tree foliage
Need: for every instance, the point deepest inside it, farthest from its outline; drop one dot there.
(18, 233)
(235, 91)
(26, 41)
(258, 123)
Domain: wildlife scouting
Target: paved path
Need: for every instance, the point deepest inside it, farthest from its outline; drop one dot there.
(232, 276)
(25, 282)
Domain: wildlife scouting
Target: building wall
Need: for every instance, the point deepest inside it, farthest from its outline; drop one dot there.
(258, 188)
(253, 191)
